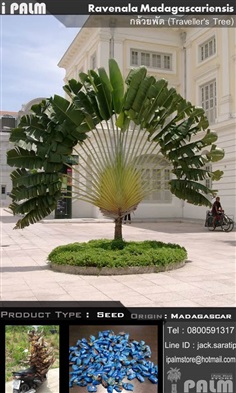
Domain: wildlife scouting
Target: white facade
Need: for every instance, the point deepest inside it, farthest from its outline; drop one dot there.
(219, 67)
(199, 63)
(5, 180)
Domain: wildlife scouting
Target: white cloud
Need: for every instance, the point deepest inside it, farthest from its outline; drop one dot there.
(31, 49)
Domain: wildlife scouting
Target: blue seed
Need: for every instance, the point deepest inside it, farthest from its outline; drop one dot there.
(139, 377)
(82, 383)
(153, 379)
(91, 388)
(131, 376)
(108, 359)
(128, 386)
(118, 388)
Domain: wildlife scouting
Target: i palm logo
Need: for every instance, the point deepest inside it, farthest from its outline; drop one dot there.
(173, 376)
(219, 383)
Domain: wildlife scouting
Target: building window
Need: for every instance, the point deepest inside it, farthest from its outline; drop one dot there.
(3, 191)
(151, 59)
(156, 176)
(7, 122)
(208, 100)
(167, 62)
(156, 61)
(207, 49)
(93, 61)
(134, 57)
(145, 59)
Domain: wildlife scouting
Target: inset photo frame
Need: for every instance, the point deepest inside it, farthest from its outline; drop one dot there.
(110, 359)
(32, 358)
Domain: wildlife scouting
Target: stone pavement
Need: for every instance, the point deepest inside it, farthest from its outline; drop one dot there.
(207, 279)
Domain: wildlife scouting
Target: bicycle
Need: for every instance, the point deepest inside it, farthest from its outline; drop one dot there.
(225, 222)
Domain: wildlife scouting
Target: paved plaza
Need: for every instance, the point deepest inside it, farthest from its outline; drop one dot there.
(207, 279)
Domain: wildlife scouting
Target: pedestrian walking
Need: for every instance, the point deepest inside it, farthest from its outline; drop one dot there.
(127, 218)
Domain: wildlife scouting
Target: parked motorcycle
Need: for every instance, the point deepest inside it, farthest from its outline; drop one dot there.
(27, 381)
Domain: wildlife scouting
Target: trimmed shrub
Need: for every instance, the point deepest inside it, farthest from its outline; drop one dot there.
(118, 253)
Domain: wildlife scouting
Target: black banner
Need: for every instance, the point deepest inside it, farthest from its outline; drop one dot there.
(123, 7)
(160, 350)
(108, 311)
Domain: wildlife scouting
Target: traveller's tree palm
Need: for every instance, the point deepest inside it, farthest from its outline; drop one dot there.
(115, 131)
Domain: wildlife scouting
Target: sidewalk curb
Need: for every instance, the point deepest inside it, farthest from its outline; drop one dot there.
(104, 271)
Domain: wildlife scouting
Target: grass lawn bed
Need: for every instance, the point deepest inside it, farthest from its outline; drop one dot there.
(117, 257)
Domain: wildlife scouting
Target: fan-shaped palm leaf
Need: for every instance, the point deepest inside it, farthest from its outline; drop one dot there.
(115, 133)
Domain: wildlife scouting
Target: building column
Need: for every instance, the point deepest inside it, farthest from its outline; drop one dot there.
(103, 49)
(225, 99)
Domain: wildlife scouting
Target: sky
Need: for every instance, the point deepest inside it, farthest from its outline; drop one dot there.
(30, 49)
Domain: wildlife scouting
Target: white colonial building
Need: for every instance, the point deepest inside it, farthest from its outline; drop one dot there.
(7, 122)
(199, 62)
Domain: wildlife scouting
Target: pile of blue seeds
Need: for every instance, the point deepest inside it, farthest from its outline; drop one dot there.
(108, 359)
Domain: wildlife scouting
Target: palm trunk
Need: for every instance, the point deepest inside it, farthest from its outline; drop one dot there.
(118, 229)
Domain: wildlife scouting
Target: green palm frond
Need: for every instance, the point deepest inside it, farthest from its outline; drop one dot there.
(20, 157)
(117, 83)
(192, 192)
(116, 132)
(35, 209)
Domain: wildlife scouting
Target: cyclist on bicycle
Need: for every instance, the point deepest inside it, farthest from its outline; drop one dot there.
(216, 211)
